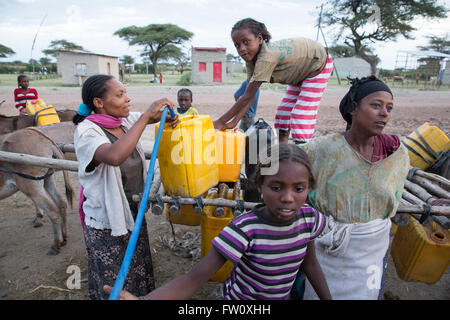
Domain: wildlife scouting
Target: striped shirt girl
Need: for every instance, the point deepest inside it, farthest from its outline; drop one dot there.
(266, 255)
(20, 98)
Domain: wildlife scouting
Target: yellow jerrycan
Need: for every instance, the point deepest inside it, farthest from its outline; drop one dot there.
(186, 156)
(421, 252)
(187, 216)
(43, 114)
(425, 145)
(230, 151)
(211, 226)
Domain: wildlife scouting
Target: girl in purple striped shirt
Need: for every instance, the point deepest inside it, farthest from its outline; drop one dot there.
(267, 245)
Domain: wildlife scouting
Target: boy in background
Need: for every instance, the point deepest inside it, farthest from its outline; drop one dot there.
(185, 108)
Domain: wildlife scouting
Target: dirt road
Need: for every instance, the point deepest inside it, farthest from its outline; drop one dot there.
(26, 272)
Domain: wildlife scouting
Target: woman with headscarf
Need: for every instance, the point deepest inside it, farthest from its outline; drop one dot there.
(360, 178)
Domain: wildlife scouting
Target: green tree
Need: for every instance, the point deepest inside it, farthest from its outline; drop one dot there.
(44, 61)
(183, 60)
(5, 51)
(231, 57)
(155, 38)
(439, 44)
(364, 22)
(341, 51)
(172, 53)
(57, 45)
(431, 65)
(127, 62)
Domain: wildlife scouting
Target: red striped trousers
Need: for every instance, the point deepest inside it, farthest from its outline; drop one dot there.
(297, 111)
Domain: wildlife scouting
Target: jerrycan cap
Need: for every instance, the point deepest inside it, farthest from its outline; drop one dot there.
(438, 236)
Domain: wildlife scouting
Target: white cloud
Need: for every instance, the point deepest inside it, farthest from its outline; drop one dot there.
(123, 11)
(190, 2)
(73, 14)
(285, 5)
(92, 23)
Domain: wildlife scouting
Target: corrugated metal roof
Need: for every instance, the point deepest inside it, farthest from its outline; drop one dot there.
(428, 53)
(87, 52)
(209, 49)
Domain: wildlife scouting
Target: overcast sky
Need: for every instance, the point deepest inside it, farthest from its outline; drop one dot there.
(91, 24)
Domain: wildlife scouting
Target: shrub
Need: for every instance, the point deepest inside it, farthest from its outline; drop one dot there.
(185, 80)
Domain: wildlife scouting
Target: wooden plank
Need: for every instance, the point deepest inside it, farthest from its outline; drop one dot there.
(68, 147)
(31, 160)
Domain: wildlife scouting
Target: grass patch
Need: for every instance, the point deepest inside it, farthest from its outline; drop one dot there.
(172, 79)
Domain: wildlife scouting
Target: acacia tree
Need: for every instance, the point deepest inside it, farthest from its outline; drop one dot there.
(5, 51)
(341, 51)
(173, 53)
(363, 22)
(155, 38)
(436, 43)
(431, 64)
(127, 62)
(57, 45)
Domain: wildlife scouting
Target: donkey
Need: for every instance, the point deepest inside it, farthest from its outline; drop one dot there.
(11, 123)
(41, 189)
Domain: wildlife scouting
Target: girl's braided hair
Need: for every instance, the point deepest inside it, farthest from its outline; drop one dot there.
(254, 26)
(286, 152)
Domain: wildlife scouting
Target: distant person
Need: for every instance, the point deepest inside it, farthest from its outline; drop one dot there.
(160, 78)
(24, 93)
(185, 107)
(249, 117)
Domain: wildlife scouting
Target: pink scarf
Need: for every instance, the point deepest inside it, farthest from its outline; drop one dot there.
(107, 122)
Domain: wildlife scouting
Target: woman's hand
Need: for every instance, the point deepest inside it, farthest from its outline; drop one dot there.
(124, 295)
(154, 112)
(173, 121)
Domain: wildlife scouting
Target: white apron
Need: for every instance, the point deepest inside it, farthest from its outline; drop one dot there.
(351, 258)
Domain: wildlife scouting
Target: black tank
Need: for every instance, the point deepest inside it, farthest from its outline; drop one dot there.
(255, 136)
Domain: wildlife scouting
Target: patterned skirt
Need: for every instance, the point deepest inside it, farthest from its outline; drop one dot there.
(105, 254)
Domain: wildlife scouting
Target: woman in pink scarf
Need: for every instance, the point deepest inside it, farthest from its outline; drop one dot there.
(112, 169)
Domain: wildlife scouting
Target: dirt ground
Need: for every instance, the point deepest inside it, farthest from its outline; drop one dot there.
(27, 272)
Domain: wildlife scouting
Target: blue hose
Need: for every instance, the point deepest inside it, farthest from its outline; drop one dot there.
(137, 225)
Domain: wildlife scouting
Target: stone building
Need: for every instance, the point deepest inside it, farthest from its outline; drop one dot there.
(351, 67)
(76, 66)
(208, 65)
(235, 67)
